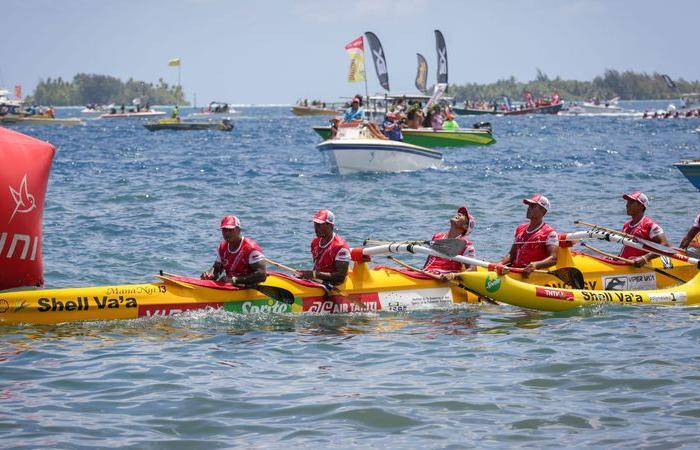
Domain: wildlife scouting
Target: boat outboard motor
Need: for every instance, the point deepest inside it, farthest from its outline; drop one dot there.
(483, 126)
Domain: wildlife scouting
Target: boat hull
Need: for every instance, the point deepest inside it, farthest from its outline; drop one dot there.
(547, 109)
(474, 112)
(309, 111)
(133, 115)
(691, 170)
(427, 137)
(590, 108)
(377, 155)
(41, 121)
(365, 290)
(506, 289)
(188, 126)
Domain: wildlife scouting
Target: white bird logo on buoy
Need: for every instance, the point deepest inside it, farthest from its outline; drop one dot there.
(23, 199)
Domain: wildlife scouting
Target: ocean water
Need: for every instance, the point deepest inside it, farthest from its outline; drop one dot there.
(123, 203)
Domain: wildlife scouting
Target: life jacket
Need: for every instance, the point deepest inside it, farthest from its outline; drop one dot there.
(645, 229)
(532, 246)
(326, 256)
(237, 262)
(444, 265)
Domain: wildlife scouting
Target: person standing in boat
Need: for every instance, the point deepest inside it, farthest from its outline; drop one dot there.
(354, 112)
(175, 114)
(640, 226)
(461, 225)
(391, 127)
(691, 234)
(239, 260)
(436, 118)
(414, 118)
(330, 252)
(536, 242)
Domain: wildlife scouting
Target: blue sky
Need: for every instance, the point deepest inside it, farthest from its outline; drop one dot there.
(278, 51)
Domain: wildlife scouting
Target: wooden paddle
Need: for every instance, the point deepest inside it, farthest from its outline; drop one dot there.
(328, 289)
(437, 277)
(644, 244)
(276, 293)
(629, 261)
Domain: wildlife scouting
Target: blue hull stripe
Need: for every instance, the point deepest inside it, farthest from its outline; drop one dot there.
(331, 147)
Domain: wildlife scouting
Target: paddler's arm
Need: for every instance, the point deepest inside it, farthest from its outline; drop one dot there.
(689, 236)
(508, 258)
(334, 278)
(258, 275)
(549, 261)
(641, 260)
(214, 272)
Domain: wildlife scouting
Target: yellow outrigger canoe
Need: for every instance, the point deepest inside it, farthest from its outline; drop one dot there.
(366, 289)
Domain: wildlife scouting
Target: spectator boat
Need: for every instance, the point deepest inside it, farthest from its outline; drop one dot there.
(365, 149)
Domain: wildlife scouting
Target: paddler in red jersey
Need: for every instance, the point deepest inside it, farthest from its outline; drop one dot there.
(330, 252)
(460, 226)
(536, 242)
(640, 226)
(239, 259)
(691, 234)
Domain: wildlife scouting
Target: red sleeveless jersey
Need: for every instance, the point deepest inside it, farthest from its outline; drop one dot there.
(325, 256)
(237, 261)
(531, 246)
(645, 229)
(444, 265)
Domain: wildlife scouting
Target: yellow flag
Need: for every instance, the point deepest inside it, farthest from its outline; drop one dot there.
(174, 62)
(356, 51)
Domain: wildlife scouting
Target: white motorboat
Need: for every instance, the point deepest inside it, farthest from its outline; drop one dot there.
(95, 109)
(363, 149)
(595, 107)
(215, 109)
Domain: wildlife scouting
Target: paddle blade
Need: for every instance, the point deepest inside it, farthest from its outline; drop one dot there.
(571, 276)
(449, 247)
(276, 293)
(693, 252)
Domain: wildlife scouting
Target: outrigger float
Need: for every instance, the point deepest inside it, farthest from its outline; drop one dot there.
(368, 289)
(534, 295)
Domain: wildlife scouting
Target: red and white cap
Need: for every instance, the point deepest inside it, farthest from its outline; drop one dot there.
(538, 199)
(324, 216)
(230, 222)
(638, 197)
(472, 221)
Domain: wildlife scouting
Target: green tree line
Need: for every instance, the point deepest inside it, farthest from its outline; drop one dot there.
(103, 90)
(627, 85)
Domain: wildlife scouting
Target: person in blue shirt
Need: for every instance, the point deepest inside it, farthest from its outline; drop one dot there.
(392, 127)
(354, 112)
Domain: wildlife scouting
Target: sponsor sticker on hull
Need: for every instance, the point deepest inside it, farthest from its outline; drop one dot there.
(335, 304)
(554, 293)
(412, 300)
(493, 283)
(670, 297)
(264, 306)
(174, 309)
(630, 282)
